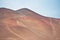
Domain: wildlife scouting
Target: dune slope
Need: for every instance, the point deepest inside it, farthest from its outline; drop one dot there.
(24, 24)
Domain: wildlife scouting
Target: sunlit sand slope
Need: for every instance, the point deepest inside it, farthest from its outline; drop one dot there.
(25, 24)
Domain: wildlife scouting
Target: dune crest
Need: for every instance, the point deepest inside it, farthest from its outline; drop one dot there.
(24, 24)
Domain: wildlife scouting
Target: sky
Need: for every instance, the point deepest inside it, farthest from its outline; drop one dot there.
(49, 8)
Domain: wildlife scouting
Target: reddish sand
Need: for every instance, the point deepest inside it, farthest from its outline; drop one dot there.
(25, 24)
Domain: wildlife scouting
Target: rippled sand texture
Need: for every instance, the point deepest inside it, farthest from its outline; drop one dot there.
(25, 24)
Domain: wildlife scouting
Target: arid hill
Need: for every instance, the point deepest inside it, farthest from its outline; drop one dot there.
(24, 24)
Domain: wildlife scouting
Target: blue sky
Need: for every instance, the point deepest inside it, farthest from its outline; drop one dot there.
(50, 8)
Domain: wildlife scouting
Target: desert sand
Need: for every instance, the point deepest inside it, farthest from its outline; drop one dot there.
(24, 24)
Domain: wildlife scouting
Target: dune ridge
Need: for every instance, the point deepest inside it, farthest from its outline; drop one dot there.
(24, 24)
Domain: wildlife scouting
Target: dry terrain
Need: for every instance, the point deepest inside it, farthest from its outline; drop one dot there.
(24, 24)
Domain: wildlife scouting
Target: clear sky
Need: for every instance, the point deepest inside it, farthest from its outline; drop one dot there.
(50, 8)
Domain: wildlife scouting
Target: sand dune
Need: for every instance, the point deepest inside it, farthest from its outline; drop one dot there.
(24, 24)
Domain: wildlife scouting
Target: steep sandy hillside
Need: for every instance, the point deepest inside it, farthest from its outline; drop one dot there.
(25, 24)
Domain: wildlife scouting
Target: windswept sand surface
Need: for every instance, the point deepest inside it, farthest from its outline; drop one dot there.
(25, 24)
